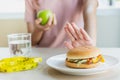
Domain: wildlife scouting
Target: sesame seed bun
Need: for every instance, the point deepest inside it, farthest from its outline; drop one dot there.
(83, 52)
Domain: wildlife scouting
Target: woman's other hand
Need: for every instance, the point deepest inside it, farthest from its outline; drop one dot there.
(51, 22)
(78, 37)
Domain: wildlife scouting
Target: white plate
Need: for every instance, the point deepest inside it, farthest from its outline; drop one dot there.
(58, 63)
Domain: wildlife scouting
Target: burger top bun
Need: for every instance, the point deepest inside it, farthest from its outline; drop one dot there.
(83, 52)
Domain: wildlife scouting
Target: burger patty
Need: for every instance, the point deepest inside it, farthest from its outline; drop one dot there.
(84, 61)
(76, 60)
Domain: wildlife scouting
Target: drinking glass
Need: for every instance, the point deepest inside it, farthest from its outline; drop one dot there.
(19, 44)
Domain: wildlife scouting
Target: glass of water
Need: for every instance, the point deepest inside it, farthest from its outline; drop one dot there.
(19, 44)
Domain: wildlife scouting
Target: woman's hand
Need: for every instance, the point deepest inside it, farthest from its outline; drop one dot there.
(51, 22)
(78, 37)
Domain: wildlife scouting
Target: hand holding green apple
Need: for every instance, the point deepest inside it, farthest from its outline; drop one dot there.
(44, 15)
(45, 19)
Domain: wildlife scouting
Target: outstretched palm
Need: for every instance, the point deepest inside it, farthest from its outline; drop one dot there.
(78, 37)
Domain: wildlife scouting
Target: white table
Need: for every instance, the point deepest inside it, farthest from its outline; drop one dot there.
(43, 72)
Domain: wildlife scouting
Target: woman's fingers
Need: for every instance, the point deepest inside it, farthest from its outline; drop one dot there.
(50, 21)
(78, 33)
(77, 37)
(38, 21)
(54, 22)
(40, 27)
(68, 45)
(69, 34)
(75, 44)
(72, 31)
(85, 35)
(44, 27)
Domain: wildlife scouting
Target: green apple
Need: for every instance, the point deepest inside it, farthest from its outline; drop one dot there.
(44, 15)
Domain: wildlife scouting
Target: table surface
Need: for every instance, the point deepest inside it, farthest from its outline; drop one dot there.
(43, 72)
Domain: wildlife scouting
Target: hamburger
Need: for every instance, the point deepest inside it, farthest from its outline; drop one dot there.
(84, 57)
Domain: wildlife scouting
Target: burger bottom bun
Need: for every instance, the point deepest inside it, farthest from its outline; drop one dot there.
(81, 66)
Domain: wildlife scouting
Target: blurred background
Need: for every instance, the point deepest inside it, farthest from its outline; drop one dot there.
(108, 21)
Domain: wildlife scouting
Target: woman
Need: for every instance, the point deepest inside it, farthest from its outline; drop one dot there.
(81, 13)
